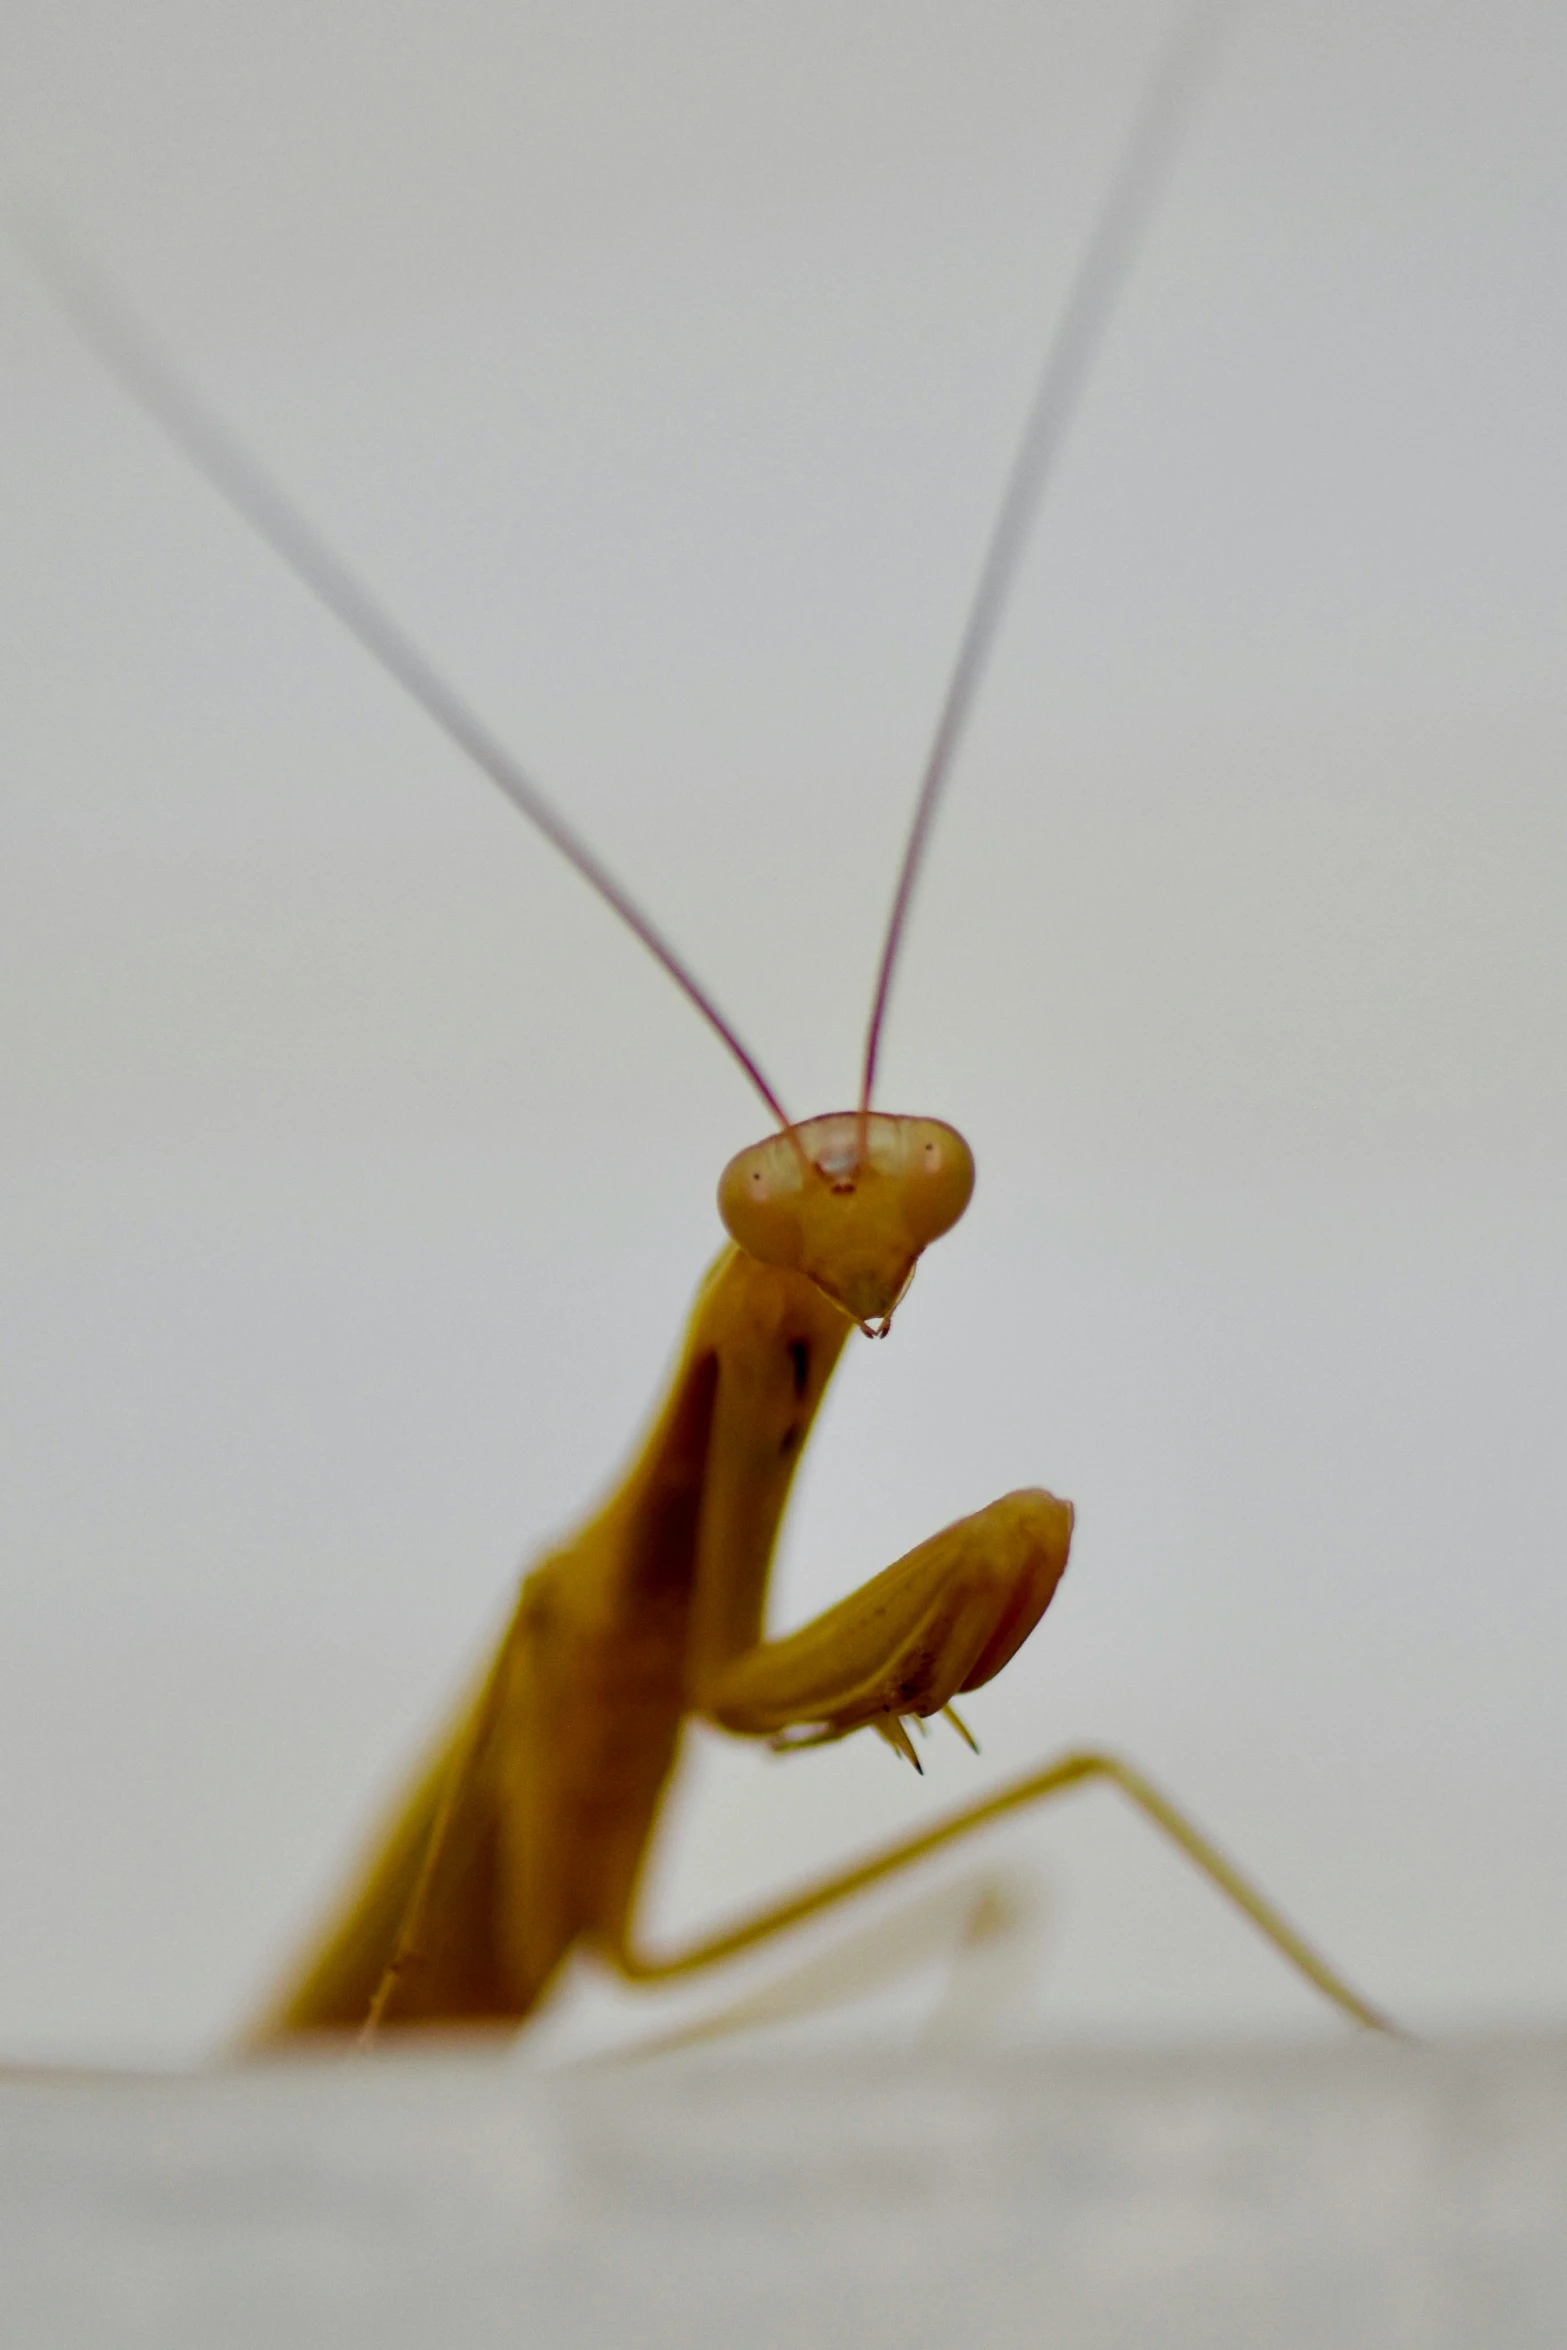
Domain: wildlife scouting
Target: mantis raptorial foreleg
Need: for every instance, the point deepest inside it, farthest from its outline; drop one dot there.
(942, 1619)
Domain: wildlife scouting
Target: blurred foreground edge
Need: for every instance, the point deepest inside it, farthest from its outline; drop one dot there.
(1335, 2194)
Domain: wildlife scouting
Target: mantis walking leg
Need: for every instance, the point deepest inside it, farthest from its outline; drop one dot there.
(1057, 1778)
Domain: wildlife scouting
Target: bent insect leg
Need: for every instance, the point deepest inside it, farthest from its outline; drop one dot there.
(942, 1619)
(950, 1924)
(1057, 1778)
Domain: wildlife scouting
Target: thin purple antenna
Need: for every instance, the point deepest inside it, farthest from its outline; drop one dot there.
(137, 363)
(1102, 273)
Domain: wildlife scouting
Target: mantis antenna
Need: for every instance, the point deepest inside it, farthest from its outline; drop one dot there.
(137, 362)
(1102, 273)
(134, 358)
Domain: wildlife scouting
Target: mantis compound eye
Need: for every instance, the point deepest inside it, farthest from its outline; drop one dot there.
(759, 1196)
(938, 1179)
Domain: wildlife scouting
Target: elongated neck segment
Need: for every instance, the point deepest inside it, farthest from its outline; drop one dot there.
(850, 1200)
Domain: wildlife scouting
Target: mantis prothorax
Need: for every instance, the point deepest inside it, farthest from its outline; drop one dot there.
(526, 1834)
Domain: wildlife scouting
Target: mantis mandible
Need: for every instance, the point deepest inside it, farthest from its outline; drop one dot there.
(525, 1835)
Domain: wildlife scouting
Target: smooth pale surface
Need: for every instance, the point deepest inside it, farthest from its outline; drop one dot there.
(659, 366)
(1353, 2198)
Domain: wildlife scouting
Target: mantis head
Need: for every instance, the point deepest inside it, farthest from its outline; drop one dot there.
(850, 1200)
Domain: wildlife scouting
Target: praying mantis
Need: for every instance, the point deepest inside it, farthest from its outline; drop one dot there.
(525, 1835)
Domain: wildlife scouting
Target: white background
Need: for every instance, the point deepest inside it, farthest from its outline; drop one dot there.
(660, 367)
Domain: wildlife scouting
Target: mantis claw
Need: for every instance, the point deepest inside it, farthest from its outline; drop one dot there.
(892, 1729)
(951, 1714)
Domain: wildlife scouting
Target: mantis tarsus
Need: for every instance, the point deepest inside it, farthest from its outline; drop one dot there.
(526, 1834)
